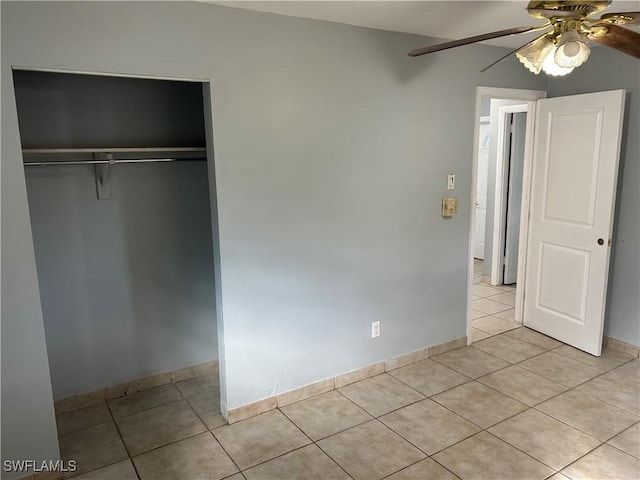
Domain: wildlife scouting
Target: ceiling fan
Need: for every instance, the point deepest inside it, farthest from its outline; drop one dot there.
(563, 44)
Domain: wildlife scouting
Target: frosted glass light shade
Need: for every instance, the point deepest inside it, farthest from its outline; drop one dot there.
(572, 50)
(533, 56)
(550, 67)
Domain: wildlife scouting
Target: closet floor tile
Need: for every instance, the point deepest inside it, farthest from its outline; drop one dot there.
(207, 406)
(424, 469)
(325, 414)
(544, 438)
(429, 426)
(470, 362)
(305, 463)
(631, 370)
(561, 369)
(485, 457)
(380, 394)
(589, 414)
(628, 441)
(83, 418)
(525, 386)
(370, 451)
(144, 400)
(531, 336)
(618, 390)
(196, 386)
(479, 404)
(494, 325)
(159, 426)
(605, 462)
(429, 377)
(608, 360)
(508, 348)
(198, 457)
(260, 438)
(92, 448)
(121, 471)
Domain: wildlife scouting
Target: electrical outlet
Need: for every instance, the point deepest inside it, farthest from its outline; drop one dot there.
(375, 329)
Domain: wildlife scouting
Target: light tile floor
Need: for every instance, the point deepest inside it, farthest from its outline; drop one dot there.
(492, 308)
(517, 405)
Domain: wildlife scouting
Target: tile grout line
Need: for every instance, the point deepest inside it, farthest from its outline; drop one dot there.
(126, 449)
(314, 442)
(210, 430)
(623, 431)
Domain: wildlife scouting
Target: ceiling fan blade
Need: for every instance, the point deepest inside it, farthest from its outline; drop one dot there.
(622, 18)
(510, 53)
(616, 37)
(469, 40)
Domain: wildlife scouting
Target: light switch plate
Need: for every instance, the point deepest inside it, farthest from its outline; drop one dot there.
(451, 181)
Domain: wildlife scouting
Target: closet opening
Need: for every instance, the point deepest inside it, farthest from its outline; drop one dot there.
(124, 228)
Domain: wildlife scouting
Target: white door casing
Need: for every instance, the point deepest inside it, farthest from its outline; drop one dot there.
(573, 187)
(481, 189)
(514, 199)
(503, 158)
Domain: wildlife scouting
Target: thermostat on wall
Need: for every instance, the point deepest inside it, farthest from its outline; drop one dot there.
(449, 206)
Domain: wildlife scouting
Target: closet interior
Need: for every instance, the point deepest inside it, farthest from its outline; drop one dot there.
(119, 202)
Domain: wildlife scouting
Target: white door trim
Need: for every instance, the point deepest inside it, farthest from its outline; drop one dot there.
(529, 96)
(499, 204)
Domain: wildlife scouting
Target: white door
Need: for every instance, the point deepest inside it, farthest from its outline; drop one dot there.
(514, 197)
(573, 186)
(481, 189)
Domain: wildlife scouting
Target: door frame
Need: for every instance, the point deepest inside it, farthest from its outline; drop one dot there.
(207, 97)
(530, 97)
(500, 199)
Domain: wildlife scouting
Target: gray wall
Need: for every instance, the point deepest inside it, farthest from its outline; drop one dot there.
(332, 149)
(485, 106)
(611, 70)
(126, 284)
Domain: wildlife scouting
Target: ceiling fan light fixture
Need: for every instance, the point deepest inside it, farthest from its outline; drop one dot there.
(572, 50)
(550, 67)
(533, 55)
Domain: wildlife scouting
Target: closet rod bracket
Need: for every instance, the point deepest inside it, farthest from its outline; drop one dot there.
(103, 175)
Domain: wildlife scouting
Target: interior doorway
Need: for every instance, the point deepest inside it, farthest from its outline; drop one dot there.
(506, 214)
(502, 147)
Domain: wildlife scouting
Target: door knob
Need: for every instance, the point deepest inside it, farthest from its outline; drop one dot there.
(601, 241)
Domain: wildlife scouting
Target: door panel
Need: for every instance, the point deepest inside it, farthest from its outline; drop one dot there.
(575, 165)
(481, 191)
(580, 170)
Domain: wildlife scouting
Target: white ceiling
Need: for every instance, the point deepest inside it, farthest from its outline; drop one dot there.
(445, 19)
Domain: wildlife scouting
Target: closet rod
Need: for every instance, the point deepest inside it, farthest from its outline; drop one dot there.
(103, 162)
